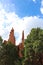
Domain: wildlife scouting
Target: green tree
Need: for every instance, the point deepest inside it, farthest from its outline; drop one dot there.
(1, 40)
(9, 54)
(34, 47)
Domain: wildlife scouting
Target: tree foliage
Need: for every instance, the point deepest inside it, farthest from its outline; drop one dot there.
(32, 52)
(34, 47)
(8, 54)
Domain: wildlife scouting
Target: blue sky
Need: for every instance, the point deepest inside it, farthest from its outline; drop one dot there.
(21, 15)
(23, 7)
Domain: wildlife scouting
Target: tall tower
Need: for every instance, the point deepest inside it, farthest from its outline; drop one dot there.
(12, 37)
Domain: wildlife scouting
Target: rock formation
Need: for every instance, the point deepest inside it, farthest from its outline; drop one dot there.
(21, 45)
(13, 41)
(12, 37)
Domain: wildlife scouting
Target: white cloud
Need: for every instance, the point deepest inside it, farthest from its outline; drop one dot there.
(42, 3)
(34, 0)
(9, 20)
(41, 9)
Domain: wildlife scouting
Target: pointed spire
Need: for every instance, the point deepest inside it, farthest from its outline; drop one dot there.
(12, 29)
(23, 35)
(23, 38)
(11, 36)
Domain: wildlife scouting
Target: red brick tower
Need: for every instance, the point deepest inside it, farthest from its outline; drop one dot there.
(12, 37)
